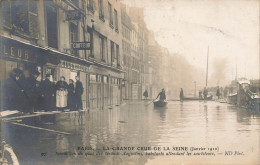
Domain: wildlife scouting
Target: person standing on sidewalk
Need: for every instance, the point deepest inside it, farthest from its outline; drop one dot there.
(47, 93)
(31, 91)
(61, 94)
(11, 91)
(78, 93)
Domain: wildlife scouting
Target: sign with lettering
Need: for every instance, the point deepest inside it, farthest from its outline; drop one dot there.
(73, 15)
(20, 53)
(81, 45)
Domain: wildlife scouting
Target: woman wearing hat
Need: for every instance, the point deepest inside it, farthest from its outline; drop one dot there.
(61, 93)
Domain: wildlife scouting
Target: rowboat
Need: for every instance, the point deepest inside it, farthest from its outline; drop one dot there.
(160, 103)
(197, 98)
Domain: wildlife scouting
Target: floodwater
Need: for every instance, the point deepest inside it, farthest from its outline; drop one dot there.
(220, 134)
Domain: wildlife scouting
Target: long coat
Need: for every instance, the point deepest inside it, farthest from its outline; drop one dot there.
(61, 94)
(47, 91)
(71, 97)
(79, 88)
(78, 92)
(29, 94)
(11, 94)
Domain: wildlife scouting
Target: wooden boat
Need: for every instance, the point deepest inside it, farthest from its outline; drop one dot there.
(160, 103)
(197, 98)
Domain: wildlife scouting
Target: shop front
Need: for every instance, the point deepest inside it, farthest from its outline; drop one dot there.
(15, 54)
(104, 87)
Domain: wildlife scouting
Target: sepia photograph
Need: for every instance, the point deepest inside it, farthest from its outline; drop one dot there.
(129, 82)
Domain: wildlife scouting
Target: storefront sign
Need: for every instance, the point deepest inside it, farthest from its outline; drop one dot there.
(81, 45)
(73, 66)
(73, 15)
(19, 53)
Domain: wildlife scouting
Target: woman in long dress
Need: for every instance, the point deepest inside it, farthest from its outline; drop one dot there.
(61, 93)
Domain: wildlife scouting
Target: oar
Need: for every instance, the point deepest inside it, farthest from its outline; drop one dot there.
(149, 103)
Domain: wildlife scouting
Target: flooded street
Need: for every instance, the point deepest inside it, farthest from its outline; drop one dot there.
(125, 134)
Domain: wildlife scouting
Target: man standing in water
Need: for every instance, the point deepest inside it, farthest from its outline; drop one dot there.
(181, 95)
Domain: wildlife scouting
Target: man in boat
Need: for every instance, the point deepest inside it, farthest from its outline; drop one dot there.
(181, 95)
(162, 95)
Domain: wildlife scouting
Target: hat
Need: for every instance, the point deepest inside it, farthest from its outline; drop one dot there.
(17, 72)
(35, 72)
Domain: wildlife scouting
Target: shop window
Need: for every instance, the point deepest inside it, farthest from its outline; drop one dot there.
(52, 27)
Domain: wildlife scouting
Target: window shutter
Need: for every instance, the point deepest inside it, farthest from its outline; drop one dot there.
(6, 14)
(33, 19)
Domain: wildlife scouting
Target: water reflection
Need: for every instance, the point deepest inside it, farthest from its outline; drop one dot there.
(135, 124)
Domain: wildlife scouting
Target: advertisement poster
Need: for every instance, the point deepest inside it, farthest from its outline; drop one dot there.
(129, 82)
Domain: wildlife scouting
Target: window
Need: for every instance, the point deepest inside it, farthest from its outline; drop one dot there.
(116, 20)
(73, 36)
(102, 47)
(90, 39)
(75, 2)
(101, 10)
(20, 19)
(6, 14)
(117, 56)
(112, 52)
(110, 15)
(52, 27)
(90, 5)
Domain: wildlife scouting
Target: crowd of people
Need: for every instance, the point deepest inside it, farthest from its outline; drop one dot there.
(22, 92)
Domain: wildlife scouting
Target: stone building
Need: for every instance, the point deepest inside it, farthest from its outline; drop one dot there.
(66, 38)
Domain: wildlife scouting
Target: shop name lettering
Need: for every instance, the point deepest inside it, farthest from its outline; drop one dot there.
(81, 45)
(15, 52)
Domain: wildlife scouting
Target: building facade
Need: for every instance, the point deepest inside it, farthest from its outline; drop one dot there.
(66, 38)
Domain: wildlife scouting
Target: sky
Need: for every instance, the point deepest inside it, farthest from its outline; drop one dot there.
(229, 28)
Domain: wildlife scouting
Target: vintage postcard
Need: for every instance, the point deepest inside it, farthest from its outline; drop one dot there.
(129, 82)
